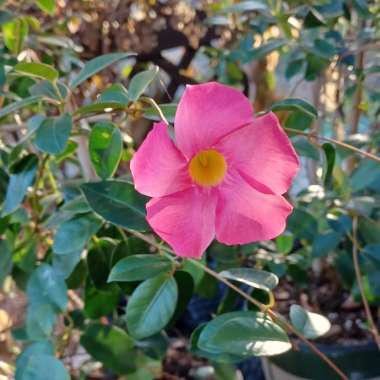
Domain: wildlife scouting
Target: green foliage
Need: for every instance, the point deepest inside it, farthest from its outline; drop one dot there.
(97, 64)
(117, 202)
(311, 325)
(243, 334)
(71, 222)
(151, 306)
(53, 133)
(140, 267)
(105, 146)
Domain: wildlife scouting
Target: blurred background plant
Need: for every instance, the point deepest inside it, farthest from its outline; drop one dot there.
(81, 82)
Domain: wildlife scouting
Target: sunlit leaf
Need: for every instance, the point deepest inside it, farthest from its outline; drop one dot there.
(311, 325)
(97, 64)
(38, 70)
(244, 333)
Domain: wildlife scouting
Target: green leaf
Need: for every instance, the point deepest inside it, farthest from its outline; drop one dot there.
(111, 346)
(169, 110)
(97, 64)
(105, 147)
(140, 82)
(73, 235)
(44, 287)
(325, 243)
(367, 174)
(6, 16)
(244, 333)
(40, 321)
(294, 104)
(151, 306)
(14, 34)
(22, 177)
(99, 303)
(51, 137)
(39, 365)
(264, 50)
(219, 357)
(299, 120)
(246, 6)
(329, 151)
(47, 6)
(140, 267)
(284, 243)
(310, 325)
(46, 89)
(64, 265)
(37, 70)
(116, 93)
(99, 259)
(13, 107)
(256, 278)
(117, 202)
(105, 107)
(5, 260)
(37, 348)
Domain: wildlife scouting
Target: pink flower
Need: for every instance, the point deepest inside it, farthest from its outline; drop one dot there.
(222, 178)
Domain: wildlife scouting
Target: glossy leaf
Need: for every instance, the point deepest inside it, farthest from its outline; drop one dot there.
(169, 110)
(14, 34)
(47, 6)
(38, 348)
(256, 278)
(151, 306)
(40, 320)
(100, 107)
(140, 267)
(21, 178)
(99, 259)
(117, 202)
(140, 82)
(44, 287)
(39, 365)
(97, 64)
(310, 325)
(5, 260)
(73, 235)
(105, 146)
(111, 346)
(53, 134)
(293, 104)
(116, 93)
(13, 107)
(244, 333)
(329, 151)
(38, 70)
(46, 89)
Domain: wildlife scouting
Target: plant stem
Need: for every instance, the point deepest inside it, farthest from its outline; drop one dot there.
(359, 280)
(336, 142)
(156, 106)
(262, 307)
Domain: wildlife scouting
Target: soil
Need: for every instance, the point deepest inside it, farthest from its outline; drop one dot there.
(325, 295)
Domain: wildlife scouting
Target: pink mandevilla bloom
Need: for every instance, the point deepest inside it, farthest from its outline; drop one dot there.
(222, 178)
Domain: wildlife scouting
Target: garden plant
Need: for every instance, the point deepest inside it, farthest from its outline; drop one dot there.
(162, 156)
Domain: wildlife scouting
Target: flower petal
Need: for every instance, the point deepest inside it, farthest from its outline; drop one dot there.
(263, 154)
(245, 215)
(158, 167)
(185, 220)
(206, 113)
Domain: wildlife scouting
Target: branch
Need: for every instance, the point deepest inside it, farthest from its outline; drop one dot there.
(262, 307)
(359, 280)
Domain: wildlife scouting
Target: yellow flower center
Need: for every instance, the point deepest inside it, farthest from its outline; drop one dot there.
(208, 168)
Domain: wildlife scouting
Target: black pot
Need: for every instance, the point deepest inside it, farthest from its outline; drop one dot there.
(358, 361)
